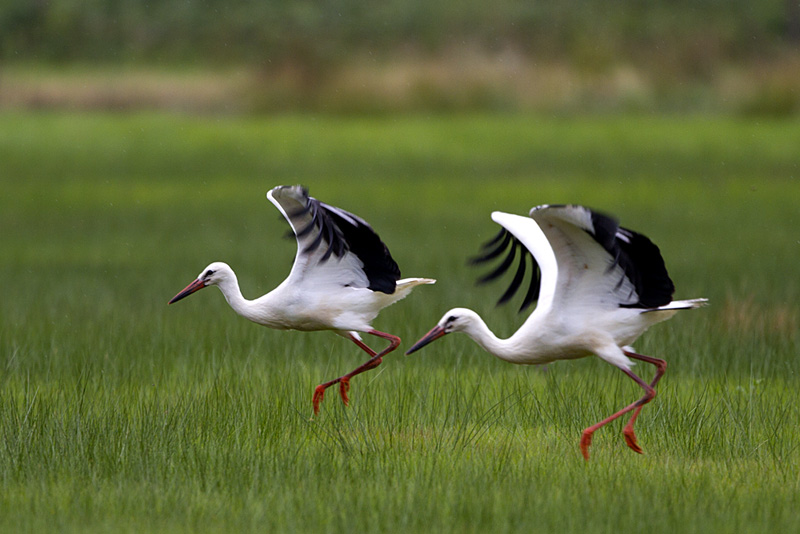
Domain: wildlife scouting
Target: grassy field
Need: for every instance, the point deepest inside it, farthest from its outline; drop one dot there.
(119, 413)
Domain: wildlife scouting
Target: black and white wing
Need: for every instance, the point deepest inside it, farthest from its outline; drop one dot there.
(333, 245)
(579, 257)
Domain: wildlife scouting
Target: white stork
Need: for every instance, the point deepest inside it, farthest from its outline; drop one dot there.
(598, 287)
(342, 276)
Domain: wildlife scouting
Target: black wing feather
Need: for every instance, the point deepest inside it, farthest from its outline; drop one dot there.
(502, 241)
(516, 281)
(360, 239)
(639, 258)
(496, 239)
(333, 243)
(533, 289)
(504, 265)
(643, 264)
(314, 245)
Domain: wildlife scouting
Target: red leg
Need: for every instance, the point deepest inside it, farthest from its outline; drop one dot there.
(650, 393)
(661, 367)
(344, 380)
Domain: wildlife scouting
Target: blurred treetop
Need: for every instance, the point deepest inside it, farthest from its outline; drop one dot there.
(316, 33)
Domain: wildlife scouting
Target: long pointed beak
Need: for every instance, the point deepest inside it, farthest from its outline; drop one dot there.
(435, 333)
(197, 285)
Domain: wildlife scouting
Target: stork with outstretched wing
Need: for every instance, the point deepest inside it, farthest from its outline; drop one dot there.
(597, 285)
(342, 277)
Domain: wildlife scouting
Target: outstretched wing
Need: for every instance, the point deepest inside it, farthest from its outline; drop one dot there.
(579, 256)
(333, 245)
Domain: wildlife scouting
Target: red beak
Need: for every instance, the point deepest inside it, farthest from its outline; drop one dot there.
(435, 333)
(197, 285)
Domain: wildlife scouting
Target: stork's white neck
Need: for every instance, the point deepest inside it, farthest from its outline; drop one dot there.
(476, 328)
(230, 289)
(267, 310)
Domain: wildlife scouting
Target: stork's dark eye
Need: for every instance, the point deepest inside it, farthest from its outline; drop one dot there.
(208, 273)
(452, 319)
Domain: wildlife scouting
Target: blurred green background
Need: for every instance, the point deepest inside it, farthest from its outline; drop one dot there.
(137, 142)
(348, 56)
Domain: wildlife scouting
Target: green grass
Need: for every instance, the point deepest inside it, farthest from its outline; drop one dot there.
(119, 413)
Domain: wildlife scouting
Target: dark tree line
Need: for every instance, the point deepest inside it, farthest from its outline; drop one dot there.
(329, 31)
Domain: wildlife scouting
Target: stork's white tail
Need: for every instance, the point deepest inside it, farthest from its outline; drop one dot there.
(412, 282)
(405, 285)
(682, 305)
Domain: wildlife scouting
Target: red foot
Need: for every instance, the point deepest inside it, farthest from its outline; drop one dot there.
(630, 439)
(319, 394)
(344, 387)
(586, 441)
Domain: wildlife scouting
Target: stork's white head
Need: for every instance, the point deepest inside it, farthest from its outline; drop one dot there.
(213, 275)
(456, 320)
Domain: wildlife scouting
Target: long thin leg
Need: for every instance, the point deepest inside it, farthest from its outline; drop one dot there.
(649, 394)
(344, 380)
(661, 367)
